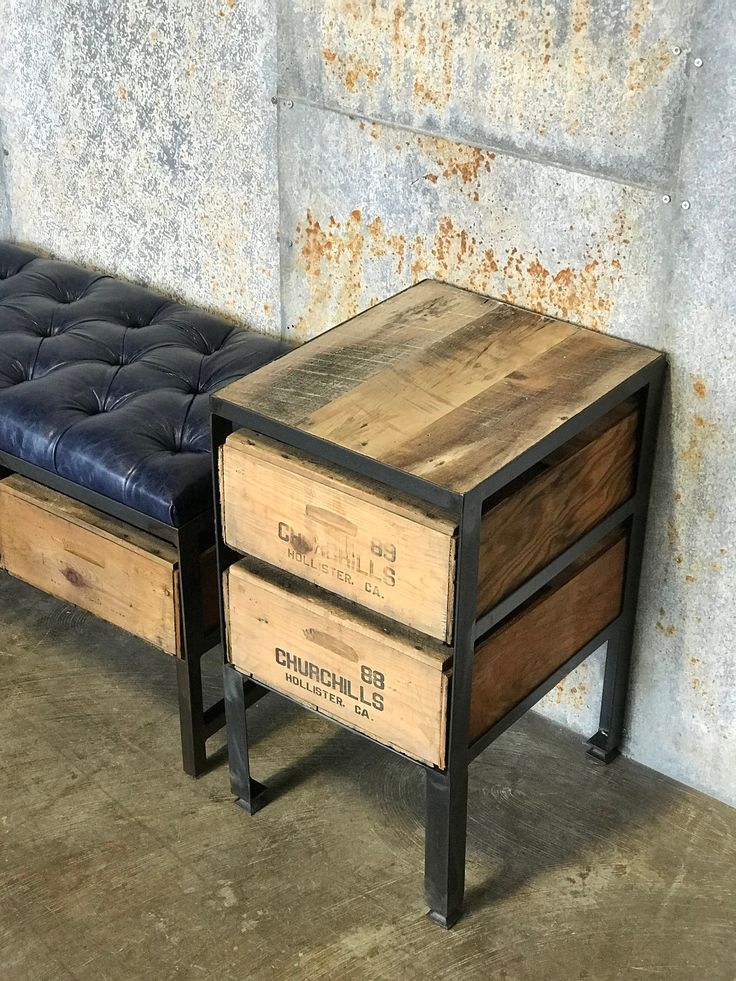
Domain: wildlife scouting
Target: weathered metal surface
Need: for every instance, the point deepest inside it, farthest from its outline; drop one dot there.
(684, 696)
(4, 194)
(592, 84)
(367, 210)
(142, 141)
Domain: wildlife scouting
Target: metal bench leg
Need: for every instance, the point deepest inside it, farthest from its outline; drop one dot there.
(447, 793)
(191, 716)
(240, 692)
(197, 722)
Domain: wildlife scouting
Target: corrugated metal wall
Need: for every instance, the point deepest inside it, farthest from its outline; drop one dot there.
(542, 152)
(142, 141)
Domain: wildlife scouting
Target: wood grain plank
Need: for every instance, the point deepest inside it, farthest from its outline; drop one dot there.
(384, 551)
(421, 388)
(293, 387)
(386, 682)
(447, 385)
(83, 557)
(539, 518)
(529, 647)
(511, 416)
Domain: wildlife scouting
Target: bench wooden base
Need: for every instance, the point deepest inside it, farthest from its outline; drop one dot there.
(126, 576)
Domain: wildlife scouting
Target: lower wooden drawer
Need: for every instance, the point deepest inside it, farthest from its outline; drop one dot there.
(100, 564)
(368, 673)
(391, 683)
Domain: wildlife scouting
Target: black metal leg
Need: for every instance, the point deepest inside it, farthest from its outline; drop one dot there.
(191, 713)
(604, 745)
(447, 793)
(444, 845)
(197, 723)
(249, 794)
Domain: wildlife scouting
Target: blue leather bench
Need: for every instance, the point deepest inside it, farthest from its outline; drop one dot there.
(104, 397)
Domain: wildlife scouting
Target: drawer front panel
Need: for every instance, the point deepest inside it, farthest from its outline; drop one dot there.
(391, 556)
(83, 557)
(384, 683)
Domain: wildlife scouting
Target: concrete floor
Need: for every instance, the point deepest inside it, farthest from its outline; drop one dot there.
(114, 865)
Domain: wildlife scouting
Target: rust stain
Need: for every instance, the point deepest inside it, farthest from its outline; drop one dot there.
(646, 71)
(332, 262)
(640, 14)
(668, 629)
(397, 18)
(122, 92)
(700, 440)
(699, 388)
(333, 251)
(575, 696)
(350, 68)
(467, 163)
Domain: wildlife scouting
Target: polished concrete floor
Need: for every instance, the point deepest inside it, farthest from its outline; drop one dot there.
(114, 865)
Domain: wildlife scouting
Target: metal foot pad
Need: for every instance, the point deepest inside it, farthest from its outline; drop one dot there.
(598, 748)
(446, 922)
(258, 798)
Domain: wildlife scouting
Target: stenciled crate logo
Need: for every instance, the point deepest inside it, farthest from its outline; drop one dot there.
(330, 686)
(376, 571)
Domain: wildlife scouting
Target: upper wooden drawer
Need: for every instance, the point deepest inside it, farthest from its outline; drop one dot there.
(396, 555)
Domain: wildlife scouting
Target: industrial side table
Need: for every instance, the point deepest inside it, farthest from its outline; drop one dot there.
(427, 517)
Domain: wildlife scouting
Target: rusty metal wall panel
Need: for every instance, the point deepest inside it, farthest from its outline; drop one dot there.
(142, 141)
(367, 210)
(684, 695)
(4, 192)
(595, 85)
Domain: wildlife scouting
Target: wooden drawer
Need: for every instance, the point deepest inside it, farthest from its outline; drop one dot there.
(396, 556)
(366, 672)
(392, 683)
(98, 563)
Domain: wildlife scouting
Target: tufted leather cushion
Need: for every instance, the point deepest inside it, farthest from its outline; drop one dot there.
(108, 384)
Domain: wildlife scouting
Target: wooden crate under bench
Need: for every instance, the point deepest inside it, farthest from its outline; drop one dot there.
(99, 563)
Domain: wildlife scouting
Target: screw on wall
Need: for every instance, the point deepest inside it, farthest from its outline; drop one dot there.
(698, 62)
(685, 205)
(274, 100)
(290, 104)
(676, 50)
(666, 198)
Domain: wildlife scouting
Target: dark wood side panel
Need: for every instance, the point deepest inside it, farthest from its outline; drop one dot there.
(538, 519)
(513, 660)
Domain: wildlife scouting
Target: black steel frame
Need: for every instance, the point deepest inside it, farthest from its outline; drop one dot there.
(447, 790)
(191, 541)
